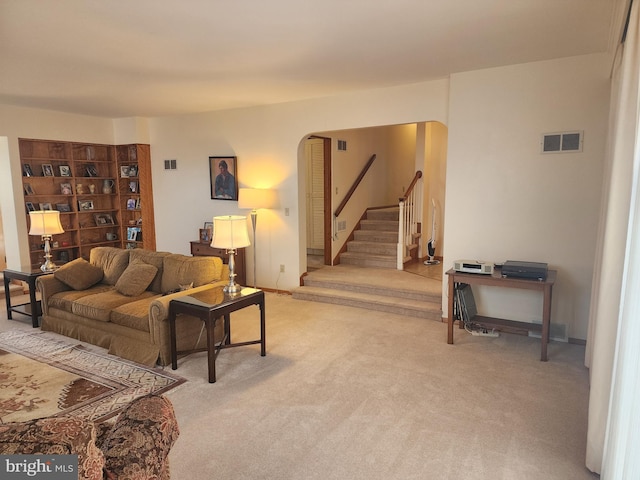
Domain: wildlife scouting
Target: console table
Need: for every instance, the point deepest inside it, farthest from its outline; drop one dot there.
(210, 306)
(497, 280)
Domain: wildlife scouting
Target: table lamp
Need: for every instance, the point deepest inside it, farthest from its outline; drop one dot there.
(255, 198)
(230, 233)
(46, 223)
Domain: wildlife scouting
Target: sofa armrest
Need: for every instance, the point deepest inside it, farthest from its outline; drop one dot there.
(159, 307)
(47, 285)
(138, 444)
(189, 333)
(55, 436)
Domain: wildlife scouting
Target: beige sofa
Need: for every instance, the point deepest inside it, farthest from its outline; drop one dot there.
(119, 300)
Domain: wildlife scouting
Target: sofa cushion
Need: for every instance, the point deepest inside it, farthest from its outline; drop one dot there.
(64, 300)
(56, 436)
(152, 258)
(113, 261)
(79, 274)
(100, 305)
(136, 278)
(182, 270)
(134, 314)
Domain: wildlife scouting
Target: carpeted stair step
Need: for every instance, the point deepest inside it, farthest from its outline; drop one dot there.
(368, 260)
(380, 225)
(421, 295)
(399, 306)
(14, 288)
(391, 213)
(375, 248)
(375, 236)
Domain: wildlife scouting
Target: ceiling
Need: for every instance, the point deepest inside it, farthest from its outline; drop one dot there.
(122, 58)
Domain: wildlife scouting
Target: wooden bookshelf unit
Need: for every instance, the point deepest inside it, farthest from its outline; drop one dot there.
(82, 181)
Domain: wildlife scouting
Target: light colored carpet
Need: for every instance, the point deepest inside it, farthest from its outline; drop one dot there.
(345, 393)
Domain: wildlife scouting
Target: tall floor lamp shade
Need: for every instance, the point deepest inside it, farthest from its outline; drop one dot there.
(45, 223)
(255, 198)
(230, 233)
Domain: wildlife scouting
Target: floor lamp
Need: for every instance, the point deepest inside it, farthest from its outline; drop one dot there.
(46, 223)
(230, 233)
(255, 198)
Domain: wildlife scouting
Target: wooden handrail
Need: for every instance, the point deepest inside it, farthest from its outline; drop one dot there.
(413, 184)
(344, 201)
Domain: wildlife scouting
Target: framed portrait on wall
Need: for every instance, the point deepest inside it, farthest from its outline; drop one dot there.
(224, 178)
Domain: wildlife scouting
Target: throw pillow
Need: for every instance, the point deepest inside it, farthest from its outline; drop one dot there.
(111, 260)
(136, 278)
(79, 274)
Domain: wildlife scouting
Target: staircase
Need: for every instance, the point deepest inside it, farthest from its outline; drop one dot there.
(14, 289)
(375, 243)
(378, 289)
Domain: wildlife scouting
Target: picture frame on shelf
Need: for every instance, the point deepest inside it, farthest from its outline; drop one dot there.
(47, 170)
(124, 171)
(134, 234)
(63, 207)
(65, 170)
(131, 204)
(65, 189)
(26, 170)
(92, 171)
(84, 205)
(205, 235)
(209, 227)
(133, 170)
(102, 219)
(45, 206)
(133, 186)
(223, 173)
(28, 189)
(31, 207)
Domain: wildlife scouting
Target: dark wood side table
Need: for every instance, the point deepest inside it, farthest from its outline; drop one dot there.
(497, 280)
(209, 306)
(199, 249)
(33, 308)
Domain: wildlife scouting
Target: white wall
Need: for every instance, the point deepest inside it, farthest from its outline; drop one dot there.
(506, 201)
(435, 175)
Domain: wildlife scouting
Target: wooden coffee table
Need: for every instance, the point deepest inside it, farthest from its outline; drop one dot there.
(209, 306)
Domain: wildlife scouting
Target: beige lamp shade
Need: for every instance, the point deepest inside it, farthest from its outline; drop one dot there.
(45, 222)
(230, 232)
(255, 198)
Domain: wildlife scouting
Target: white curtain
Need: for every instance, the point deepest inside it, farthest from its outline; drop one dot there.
(613, 439)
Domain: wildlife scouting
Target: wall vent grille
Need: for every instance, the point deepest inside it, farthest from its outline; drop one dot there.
(562, 142)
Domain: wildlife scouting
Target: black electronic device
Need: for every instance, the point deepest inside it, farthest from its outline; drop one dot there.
(527, 270)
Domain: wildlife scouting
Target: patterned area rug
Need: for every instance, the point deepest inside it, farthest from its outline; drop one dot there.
(40, 377)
